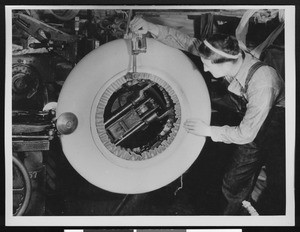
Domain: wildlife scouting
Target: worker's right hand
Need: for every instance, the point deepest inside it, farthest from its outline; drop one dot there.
(141, 26)
(197, 127)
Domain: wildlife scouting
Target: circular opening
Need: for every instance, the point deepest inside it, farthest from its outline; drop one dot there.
(138, 116)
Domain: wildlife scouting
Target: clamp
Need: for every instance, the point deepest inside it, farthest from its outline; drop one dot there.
(138, 42)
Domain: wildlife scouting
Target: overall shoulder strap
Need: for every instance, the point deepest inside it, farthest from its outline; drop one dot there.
(252, 70)
(241, 102)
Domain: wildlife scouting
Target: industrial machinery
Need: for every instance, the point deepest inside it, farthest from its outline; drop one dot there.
(121, 100)
(128, 120)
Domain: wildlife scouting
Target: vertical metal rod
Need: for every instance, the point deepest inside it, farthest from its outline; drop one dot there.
(134, 63)
(128, 22)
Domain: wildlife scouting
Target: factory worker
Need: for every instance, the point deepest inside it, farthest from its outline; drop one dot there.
(260, 135)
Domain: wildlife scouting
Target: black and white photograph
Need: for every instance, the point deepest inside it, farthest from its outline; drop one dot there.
(150, 115)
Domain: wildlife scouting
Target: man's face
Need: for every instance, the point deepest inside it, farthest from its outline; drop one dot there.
(218, 70)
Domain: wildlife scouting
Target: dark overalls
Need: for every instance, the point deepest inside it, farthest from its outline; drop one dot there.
(268, 148)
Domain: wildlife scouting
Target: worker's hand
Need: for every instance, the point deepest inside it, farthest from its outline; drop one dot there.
(197, 127)
(141, 26)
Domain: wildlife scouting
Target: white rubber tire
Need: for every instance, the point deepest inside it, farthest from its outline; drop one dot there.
(80, 95)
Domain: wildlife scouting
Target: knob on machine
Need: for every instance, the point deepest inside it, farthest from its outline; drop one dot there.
(66, 123)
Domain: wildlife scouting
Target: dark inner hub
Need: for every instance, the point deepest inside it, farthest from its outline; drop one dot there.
(139, 115)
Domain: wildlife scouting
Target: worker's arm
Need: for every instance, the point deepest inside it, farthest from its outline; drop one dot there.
(167, 35)
(262, 94)
(247, 130)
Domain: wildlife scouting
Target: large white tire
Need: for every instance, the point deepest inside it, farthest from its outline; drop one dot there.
(85, 86)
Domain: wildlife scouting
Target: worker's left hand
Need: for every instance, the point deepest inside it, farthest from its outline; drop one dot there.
(141, 26)
(197, 127)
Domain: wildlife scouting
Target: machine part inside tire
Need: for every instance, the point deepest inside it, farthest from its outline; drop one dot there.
(112, 146)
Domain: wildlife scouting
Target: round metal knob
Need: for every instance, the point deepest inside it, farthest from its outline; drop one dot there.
(66, 123)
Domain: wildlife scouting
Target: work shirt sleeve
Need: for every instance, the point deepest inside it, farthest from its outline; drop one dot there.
(260, 101)
(176, 39)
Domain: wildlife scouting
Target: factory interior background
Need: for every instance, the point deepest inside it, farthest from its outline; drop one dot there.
(47, 46)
